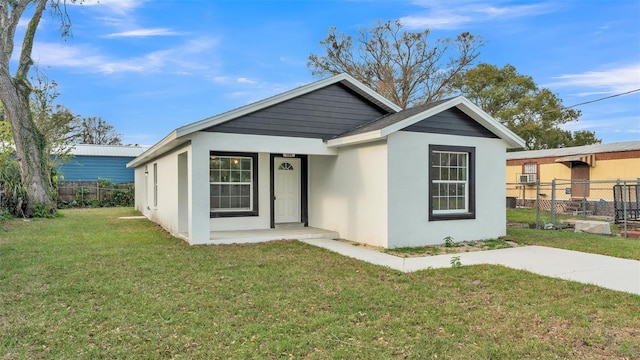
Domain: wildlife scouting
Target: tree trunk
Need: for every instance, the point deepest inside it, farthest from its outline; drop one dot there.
(30, 143)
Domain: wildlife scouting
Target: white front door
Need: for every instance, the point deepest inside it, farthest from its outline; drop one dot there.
(286, 190)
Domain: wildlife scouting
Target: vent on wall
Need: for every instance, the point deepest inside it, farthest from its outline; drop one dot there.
(527, 178)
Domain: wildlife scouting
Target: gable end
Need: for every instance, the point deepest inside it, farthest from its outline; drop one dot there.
(321, 114)
(452, 122)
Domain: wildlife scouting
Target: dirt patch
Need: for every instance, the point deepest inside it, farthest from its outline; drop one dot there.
(366, 246)
(442, 249)
(521, 225)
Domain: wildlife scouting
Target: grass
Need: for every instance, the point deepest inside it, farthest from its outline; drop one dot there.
(529, 216)
(628, 248)
(89, 285)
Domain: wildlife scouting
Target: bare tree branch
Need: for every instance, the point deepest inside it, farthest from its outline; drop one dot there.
(402, 66)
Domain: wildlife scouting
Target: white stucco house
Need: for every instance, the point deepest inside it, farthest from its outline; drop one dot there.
(334, 155)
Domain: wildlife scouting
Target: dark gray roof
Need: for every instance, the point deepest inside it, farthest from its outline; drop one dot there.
(390, 119)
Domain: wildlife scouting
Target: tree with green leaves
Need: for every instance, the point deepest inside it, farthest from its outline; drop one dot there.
(15, 92)
(55, 122)
(405, 67)
(534, 113)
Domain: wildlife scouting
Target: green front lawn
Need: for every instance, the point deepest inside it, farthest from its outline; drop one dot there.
(628, 248)
(529, 216)
(90, 285)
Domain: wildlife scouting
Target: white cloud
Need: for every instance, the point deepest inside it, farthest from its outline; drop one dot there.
(119, 14)
(239, 94)
(119, 7)
(610, 81)
(144, 33)
(293, 61)
(493, 12)
(24, 21)
(435, 21)
(55, 54)
(455, 14)
(606, 123)
(179, 60)
(221, 79)
(244, 80)
(602, 29)
(231, 80)
(246, 91)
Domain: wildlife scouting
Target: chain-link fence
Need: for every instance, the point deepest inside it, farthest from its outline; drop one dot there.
(94, 194)
(610, 200)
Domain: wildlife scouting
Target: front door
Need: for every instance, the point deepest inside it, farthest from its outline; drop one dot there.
(579, 179)
(286, 190)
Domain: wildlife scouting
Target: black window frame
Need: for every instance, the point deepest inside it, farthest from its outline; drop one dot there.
(155, 185)
(471, 206)
(254, 180)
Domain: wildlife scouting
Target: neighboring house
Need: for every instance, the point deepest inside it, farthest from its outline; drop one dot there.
(334, 155)
(598, 162)
(90, 162)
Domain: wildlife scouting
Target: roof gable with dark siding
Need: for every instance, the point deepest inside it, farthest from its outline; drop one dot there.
(453, 122)
(321, 114)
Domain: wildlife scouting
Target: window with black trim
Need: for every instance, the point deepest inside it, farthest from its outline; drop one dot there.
(451, 182)
(155, 185)
(233, 183)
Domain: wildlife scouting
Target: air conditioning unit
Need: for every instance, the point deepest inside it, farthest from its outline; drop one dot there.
(527, 178)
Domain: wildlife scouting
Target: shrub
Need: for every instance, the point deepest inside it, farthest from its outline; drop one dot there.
(5, 215)
(102, 193)
(448, 241)
(82, 196)
(43, 211)
(14, 192)
(119, 197)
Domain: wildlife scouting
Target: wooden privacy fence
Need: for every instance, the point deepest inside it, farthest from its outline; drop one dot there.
(95, 193)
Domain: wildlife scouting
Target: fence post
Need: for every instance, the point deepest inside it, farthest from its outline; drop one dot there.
(585, 185)
(553, 201)
(537, 204)
(624, 205)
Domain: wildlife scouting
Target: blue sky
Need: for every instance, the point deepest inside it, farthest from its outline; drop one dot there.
(148, 67)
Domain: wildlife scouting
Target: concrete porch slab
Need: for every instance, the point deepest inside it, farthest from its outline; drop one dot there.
(262, 235)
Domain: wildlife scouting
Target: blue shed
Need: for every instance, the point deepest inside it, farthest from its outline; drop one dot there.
(90, 162)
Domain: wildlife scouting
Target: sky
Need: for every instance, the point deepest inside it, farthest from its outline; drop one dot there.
(148, 67)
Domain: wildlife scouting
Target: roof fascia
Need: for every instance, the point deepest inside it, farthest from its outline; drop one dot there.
(355, 139)
(359, 87)
(156, 149)
(512, 139)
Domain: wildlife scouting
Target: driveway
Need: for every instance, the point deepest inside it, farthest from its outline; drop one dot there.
(604, 271)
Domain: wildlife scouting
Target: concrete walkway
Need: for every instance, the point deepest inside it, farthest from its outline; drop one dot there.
(604, 271)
